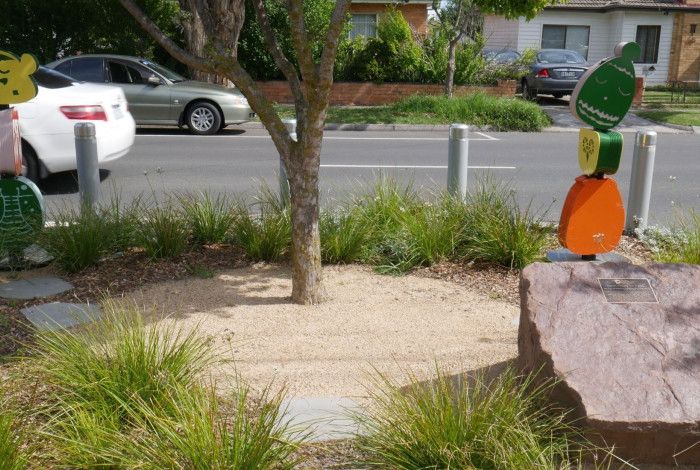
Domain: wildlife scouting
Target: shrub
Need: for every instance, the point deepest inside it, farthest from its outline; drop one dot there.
(504, 424)
(209, 218)
(267, 234)
(478, 109)
(678, 244)
(392, 56)
(163, 232)
(498, 231)
(469, 61)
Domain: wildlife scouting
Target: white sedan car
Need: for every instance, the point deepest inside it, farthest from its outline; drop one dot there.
(46, 123)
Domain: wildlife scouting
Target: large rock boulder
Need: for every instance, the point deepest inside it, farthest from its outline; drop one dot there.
(631, 370)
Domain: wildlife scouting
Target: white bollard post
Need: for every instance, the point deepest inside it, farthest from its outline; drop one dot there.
(291, 125)
(640, 181)
(457, 160)
(87, 165)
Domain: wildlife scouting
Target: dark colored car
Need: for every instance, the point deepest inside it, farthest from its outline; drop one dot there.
(157, 95)
(554, 72)
(499, 56)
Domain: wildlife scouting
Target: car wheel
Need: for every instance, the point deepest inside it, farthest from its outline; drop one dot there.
(203, 119)
(30, 163)
(528, 93)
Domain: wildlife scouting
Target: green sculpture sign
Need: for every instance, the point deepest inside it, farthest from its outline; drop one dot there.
(21, 212)
(604, 94)
(21, 202)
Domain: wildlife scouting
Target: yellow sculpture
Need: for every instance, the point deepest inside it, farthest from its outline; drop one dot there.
(16, 82)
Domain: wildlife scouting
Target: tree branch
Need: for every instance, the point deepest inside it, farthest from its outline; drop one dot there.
(281, 60)
(295, 9)
(161, 38)
(330, 48)
(222, 65)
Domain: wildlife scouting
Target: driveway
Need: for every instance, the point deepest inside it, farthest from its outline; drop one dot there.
(558, 110)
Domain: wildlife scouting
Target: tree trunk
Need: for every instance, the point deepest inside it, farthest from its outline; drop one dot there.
(451, 61)
(306, 239)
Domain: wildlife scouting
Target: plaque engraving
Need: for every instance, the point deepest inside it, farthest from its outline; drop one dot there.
(627, 290)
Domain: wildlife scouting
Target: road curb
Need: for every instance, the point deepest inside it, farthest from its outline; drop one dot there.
(334, 126)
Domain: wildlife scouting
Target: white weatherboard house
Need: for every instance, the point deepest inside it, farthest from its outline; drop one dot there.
(595, 27)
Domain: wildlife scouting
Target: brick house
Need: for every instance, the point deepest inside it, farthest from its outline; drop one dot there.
(365, 14)
(667, 31)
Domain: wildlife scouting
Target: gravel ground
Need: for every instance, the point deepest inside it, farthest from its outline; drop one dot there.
(370, 321)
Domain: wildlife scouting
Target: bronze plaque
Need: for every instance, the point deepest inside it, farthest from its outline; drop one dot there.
(627, 290)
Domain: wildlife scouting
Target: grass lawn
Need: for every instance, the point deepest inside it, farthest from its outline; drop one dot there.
(667, 97)
(478, 109)
(673, 116)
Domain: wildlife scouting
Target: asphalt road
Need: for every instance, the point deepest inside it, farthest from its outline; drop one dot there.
(540, 166)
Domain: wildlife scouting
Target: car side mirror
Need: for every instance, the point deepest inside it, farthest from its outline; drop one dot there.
(153, 80)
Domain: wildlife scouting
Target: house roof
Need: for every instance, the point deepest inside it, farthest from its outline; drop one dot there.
(610, 5)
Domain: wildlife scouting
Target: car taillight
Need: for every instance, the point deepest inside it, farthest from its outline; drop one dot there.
(84, 113)
(544, 73)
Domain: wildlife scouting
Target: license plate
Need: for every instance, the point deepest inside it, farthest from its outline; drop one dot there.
(568, 74)
(118, 113)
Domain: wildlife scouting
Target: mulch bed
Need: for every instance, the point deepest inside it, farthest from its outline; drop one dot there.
(133, 270)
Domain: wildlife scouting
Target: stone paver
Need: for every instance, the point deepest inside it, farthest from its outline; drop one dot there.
(326, 417)
(32, 256)
(26, 289)
(59, 315)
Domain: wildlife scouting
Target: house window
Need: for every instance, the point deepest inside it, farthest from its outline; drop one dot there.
(574, 38)
(363, 25)
(648, 40)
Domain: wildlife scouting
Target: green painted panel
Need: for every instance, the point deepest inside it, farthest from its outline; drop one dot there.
(604, 93)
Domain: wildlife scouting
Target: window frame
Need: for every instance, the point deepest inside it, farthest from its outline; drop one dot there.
(376, 24)
(566, 33)
(644, 48)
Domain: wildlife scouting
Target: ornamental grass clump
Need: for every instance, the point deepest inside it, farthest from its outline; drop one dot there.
(80, 238)
(498, 230)
(263, 231)
(209, 217)
(201, 434)
(123, 394)
(344, 236)
(13, 454)
(505, 424)
(163, 232)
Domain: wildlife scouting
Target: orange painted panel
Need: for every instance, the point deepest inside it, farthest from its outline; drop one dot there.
(593, 216)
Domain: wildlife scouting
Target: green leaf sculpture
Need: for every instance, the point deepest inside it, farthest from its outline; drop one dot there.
(604, 93)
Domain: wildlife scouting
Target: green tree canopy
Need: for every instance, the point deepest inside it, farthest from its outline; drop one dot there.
(51, 29)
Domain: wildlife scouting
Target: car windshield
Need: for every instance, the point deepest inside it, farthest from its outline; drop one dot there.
(166, 72)
(560, 57)
(48, 78)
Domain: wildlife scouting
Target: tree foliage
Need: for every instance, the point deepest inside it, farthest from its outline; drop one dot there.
(51, 29)
(252, 53)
